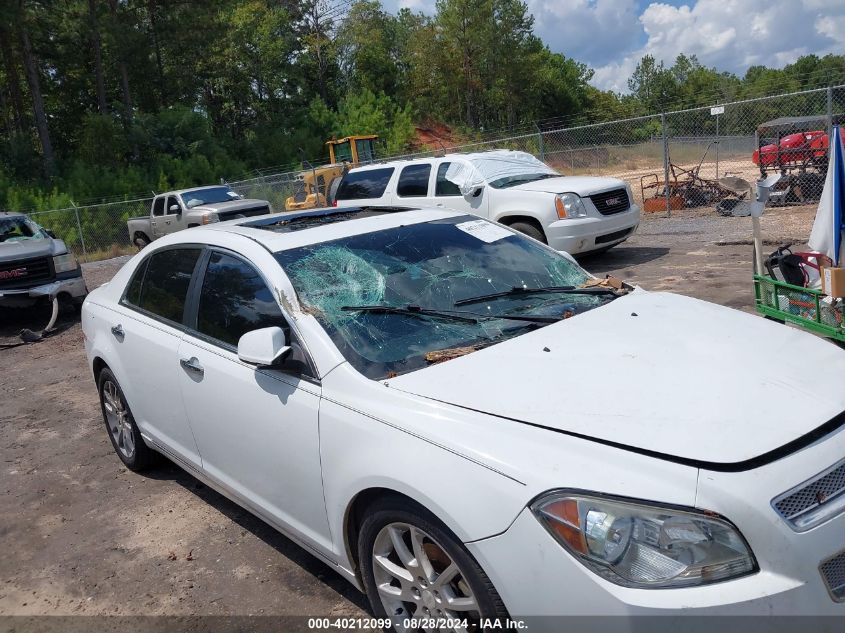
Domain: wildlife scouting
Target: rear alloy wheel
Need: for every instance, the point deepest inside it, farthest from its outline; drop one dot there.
(123, 432)
(414, 568)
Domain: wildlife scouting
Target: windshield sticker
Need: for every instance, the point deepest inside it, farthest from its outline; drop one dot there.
(484, 230)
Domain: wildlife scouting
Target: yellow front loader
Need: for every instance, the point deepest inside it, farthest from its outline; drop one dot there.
(315, 186)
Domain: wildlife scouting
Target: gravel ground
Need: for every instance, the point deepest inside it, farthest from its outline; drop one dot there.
(83, 535)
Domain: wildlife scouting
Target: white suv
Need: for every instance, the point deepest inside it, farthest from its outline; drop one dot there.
(576, 214)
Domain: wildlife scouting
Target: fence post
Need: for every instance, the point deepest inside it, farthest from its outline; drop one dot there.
(829, 111)
(540, 143)
(79, 228)
(666, 188)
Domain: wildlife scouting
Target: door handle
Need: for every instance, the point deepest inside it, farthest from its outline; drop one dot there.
(192, 365)
(117, 330)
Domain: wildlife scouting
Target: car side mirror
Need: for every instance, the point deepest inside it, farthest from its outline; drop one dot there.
(175, 208)
(264, 348)
(477, 192)
(50, 234)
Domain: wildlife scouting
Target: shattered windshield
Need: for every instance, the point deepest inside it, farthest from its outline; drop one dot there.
(388, 298)
(19, 228)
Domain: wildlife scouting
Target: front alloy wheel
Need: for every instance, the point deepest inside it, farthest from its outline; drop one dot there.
(416, 578)
(419, 574)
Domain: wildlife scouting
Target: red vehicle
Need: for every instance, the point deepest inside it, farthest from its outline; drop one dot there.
(800, 147)
(797, 148)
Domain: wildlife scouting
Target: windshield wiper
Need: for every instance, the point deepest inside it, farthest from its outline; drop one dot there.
(466, 317)
(520, 290)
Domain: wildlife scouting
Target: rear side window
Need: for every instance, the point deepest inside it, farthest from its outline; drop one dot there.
(158, 206)
(445, 187)
(359, 185)
(234, 300)
(413, 181)
(165, 282)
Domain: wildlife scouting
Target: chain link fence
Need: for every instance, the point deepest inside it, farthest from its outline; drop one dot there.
(672, 162)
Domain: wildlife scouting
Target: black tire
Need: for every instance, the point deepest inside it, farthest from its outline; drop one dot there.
(398, 510)
(141, 456)
(530, 230)
(140, 240)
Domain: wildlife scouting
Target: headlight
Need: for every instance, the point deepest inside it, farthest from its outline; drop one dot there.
(570, 205)
(64, 263)
(210, 218)
(639, 545)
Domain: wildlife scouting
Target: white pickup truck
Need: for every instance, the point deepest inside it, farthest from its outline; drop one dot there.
(176, 210)
(574, 214)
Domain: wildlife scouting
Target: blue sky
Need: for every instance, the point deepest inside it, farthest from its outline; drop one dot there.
(612, 35)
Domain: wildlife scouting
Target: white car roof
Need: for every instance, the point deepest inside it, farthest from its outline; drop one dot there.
(261, 229)
(503, 154)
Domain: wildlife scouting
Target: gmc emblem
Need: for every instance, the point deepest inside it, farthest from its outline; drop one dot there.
(612, 202)
(13, 274)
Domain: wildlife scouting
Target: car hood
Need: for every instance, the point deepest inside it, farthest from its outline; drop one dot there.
(657, 373)
(27, 249)
(234, 205)
(582, 185)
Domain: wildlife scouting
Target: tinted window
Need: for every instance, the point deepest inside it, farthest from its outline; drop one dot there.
(445, 187)
(133, 290)
(234, 300)
(370, 183)
(165, 285)
(413, 181)
(158, 206)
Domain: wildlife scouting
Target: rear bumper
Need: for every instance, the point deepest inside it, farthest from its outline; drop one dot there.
(582, 235)
(22, 297)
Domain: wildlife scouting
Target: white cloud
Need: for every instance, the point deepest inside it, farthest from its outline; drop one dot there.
(731, 35)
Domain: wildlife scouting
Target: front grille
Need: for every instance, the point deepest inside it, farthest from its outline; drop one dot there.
(610, 202)
(833, 574)
(612, 237)
(244, 213)
(25, 273)
(825, 491)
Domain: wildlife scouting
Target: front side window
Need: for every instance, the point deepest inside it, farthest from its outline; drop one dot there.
(413, 181)
(160, 285)
(172, 207)
(234, 300)
(368, 291)
(360, 185)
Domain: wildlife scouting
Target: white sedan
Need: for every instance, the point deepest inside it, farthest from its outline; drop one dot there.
(463, 424)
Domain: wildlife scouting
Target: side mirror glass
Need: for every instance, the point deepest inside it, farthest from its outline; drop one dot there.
(264, 348)
(174, 208)
(477, 192)
(50, 233)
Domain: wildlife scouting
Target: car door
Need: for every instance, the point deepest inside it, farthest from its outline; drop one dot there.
(412, 185)
(448, 195)
(256, 429)
(147, 330)
(157, 216)
(169, 221)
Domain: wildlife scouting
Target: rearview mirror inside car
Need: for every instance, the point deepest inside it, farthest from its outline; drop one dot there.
(264, 348)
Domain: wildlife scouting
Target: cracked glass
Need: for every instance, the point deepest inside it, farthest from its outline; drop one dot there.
(420, 268)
